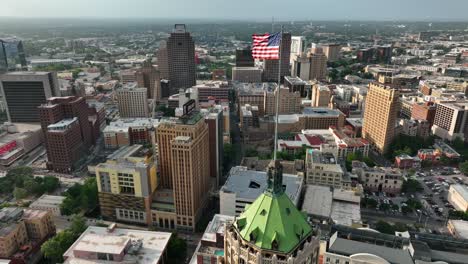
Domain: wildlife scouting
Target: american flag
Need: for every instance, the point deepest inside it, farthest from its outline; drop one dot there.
(267, 46)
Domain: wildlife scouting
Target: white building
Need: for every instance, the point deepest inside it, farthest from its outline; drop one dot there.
(243, 186)
(297, 46)
(458, 197)
(458, 228)
(49, 203)
(323, 169)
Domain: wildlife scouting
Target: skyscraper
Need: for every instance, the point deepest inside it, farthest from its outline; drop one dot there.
(297, 46)
(163, 64)
(148, 77)
(379, 116)
(244, 58)
(332, 51)
(318, 66)
(270, 72)
(3, 59)
(67, 131)
(23, 92)
(132, 102)
(181, 59)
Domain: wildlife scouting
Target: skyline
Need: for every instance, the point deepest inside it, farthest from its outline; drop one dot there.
(243, 10)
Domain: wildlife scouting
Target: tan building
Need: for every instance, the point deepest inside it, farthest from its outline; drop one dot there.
(125, 132)
(318, 66)
(323, 169)
(132, 102)
(126, 183)
(378, 179)
(290, 102)
(23, 227)
(190, 162)
(183, 146)
(451, 120)
(458, 197)
(379, 116)
(321, 95)
(149, 77)
(247, 74)
(332, 51)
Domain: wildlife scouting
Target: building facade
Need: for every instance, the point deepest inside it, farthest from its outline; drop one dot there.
(271, 67)
(132, 102)
(181, 58)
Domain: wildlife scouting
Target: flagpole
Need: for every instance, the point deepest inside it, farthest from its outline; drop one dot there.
(278, 95)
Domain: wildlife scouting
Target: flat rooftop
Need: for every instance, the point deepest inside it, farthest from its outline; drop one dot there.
(61, 125)
(48, 200)
(461, 189)
(216, 226)
(249, 184)
(127, 151)
(318, 200)
(124, 124)
(318, 157)
(461, 228)
(99, 239)
(321, 112)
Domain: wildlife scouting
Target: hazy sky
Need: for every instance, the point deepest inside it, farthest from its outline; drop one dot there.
(243, 9)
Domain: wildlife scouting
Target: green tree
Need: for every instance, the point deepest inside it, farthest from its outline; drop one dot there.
(251, 152)
(78, 225)
(50, 183)
(20, 193)
(54, 248)
(176, 249)
(411, 186)
(384, 227)
(464, 167)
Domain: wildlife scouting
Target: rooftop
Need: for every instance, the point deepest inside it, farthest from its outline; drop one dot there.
(124, 124)
(461, 189)
(249, 184)
(321, 112)
(99, 239)
(48, 200)
(128, 151)
(461, 228)
(62, 124)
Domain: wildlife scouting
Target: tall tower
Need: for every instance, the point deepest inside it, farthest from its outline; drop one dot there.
(148, 76)
(379, 116)
(163, 64)
(270, 73)
(181, 58)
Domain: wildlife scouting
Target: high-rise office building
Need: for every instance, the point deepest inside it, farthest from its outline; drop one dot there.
(244, 58)
(384, 54)
(148, 77)
(214, 119)
(365, 55)
(451, 120)
(318, 66)
(332, 51)
(126, 183)
(296, 84)
(132, 102)
(163, 63)
(379, 116)
(23, 92)
(321, 96)
(297, 46)
(68, 132)
(13, 52)
(301, 67)
(270, 67)
(181, 58)
(3, 59)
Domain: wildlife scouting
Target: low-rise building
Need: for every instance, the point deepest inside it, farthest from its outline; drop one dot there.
(323, 169)
(243, 186)
(18, 139)
(458, 228)
(378, 179)
(247, 74)
(458, 197)
(118, 245)
(125, 132)
(49, 203)
(405, 161)
(210, 249)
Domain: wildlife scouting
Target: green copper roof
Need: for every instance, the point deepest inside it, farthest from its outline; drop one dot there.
(273, 222)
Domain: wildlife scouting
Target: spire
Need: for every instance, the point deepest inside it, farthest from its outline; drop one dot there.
(275, 178)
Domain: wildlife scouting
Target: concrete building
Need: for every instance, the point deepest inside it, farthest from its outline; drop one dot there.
(332, 51)
(247, 74)
(380, 116)
(342, 207)
(318, 66)
(297, 47)
(148, 77)
(301, 67)
(458, 197)
(181, 58)
(271, 229)
(118, 245)
(271, 67)
(244, 58)
(214, 119)
(35, 63)
(458, 228)
(321, 96)
(289, 102)
(23, 92)
(424, 111)
(296, 84)
(125, 132)
(128, 76)
(184, 160)
(378, 179)
(253, 94)
(311, 118)
(244, 186)
(126, 183)
(132, 102)
(22, 232)
(68, 131)
(217, 90)
(163, 60)
(451, 120)
(210, 249)
(18, 139)
(49, 203)
(323, 169)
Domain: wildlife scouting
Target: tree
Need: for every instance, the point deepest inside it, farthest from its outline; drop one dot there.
(50, 183)
(54, 248)
(370, 203)
(80, 198)
(464, 167)
(384, 227)
(20, 193)
(78, 225)
(411, 186)
(176, 249)
(251, 152)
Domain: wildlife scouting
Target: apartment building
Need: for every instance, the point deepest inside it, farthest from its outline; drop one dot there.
(378, 179)
(132, 102)
(323, 169)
